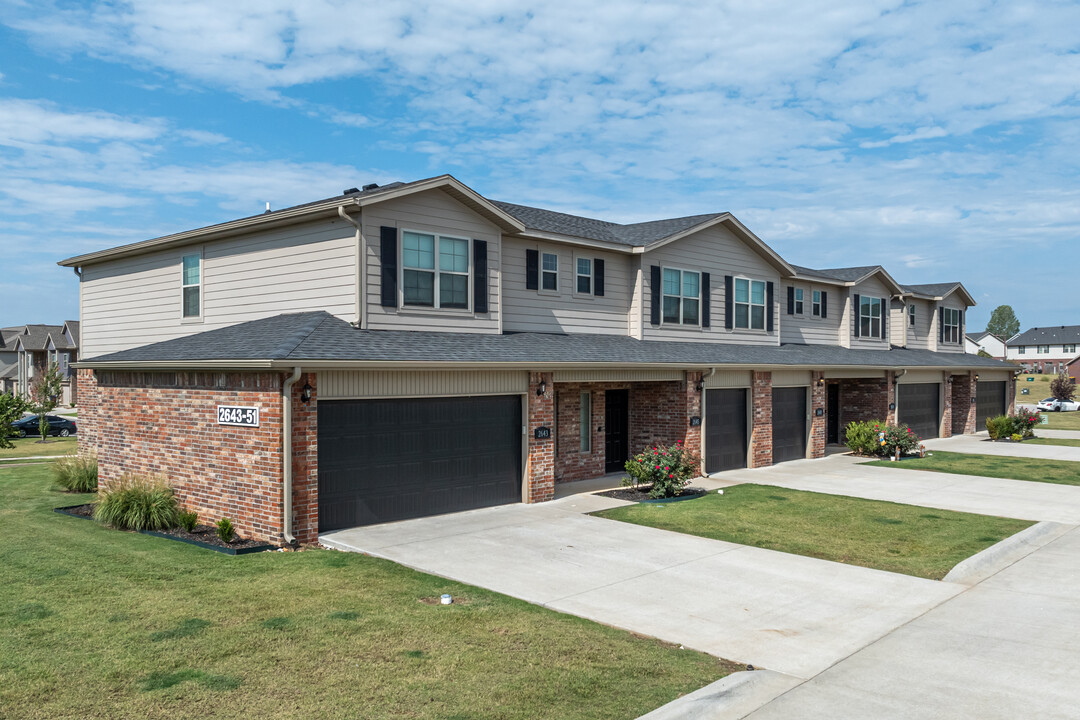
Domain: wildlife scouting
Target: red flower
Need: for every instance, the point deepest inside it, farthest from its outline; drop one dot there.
(672, 475)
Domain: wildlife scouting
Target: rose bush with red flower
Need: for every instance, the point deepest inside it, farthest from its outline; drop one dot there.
(668, 470)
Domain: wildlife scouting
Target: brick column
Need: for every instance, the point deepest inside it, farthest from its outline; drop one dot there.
(305, 461)
(890, 397)
(692, 434)
(946, 415)
(963, 407)
(817, 422)
(89, 412)
(1010, 396)
(540, 467)
(761, 427)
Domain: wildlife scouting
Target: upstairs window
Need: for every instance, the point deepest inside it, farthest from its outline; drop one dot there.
(870, 310)
(584, 276)
(424, 284)
(815, 304)
(952, 325)
(1068, 348)
(191, 284)
(1022, 350)
(749, 304)
(549, 272)
(1043, 349)
(798, 301)
(911, 314)
(682, 296)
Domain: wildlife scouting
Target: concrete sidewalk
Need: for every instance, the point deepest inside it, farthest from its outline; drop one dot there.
(982, 445)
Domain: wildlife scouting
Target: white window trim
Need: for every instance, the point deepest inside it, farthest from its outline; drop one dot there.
(815, 305)
(750, 305)
(799, 304)
(540, 277)
(193, 319)
(471, 274)
(1022, 350)
(1068, 348)
(585, 419)
(1039, 349)
(591, 276)
(952, 326)
(681, 297)
(911, 314)
(870, 334)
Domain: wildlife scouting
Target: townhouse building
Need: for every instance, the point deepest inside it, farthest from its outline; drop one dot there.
(988, 342)
(1044, 350)
(417, 348)
(28, 350)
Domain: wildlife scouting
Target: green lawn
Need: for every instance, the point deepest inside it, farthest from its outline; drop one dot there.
(32, 446)
(888, 536)
(1061, 421)
(1065, 442)
(96, 623)
(1061, 472)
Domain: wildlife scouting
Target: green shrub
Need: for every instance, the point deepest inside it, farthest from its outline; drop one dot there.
(188, 520)
(76, 474)
(225, 530)
(1016, 437)
(899, 437)
(668, 470)
(1024, 422)
(137, 503)
(862, 437)
(997, 428)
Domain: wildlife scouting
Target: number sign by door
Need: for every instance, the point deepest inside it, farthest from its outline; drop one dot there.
(239, 416)
(542, 433)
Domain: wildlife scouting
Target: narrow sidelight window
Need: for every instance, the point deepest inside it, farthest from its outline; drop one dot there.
(682, 297)
(586, 422)
(815, 306)
(584, 276)
(749, 304)
(911, 314)
(798, 301)
(549, 272)
(192, 285)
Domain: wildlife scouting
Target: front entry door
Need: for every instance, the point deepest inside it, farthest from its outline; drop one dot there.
(616, 429)
(832, 408)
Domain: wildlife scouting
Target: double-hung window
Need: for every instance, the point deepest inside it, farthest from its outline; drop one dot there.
(435, 279)
(952, 325)
(191, 283)
(584, 276)
(682, 296)
(1043, 349)
(749, 304)
(1068, 348)
(1022, 350)
(798, 301)
(815, 304)
(549, 271)
(870, 309)
(911, 314)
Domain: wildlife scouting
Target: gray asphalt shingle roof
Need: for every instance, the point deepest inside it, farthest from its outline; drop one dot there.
(848, 274)
(39, 335)
(1067, 334)
(319, 336)
(932, 289)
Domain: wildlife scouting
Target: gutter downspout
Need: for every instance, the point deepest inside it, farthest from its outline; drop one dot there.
(286, 442)
(361, 300)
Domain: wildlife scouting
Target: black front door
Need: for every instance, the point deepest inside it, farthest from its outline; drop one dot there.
(725, 430)
(616, 429)
(832, 409)
(788, 424)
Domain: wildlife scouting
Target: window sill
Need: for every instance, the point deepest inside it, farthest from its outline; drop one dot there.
(435, 312)
(680, 326)
(191, 321)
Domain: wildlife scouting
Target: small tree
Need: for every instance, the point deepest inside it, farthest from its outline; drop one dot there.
(45, 395)
(11, 409)
(1062, 387)
(983, 353)
(1003, 322)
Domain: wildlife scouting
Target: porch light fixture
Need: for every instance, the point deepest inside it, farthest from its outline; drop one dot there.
(976, 377)
(541, 388)
(700, 385)
(820, 381)
(305, 393)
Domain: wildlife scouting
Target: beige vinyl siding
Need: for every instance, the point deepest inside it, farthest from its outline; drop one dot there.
(914, 377)
(434, 212)
(616, 375)
(994, 375)
(717, 251)
(954, 301)
(790, 378)
(805, 329)
(565, 311)
(919, 336)
(898, 329)
(634, 316)
(135, 301)
(352, 384)
(871, 287)
(728, 379)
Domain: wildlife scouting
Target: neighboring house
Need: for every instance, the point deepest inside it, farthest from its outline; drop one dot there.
(1044, 350)
(1072, 368)
(989, 342)
(9, 360)
(35, 347)
(417, 348)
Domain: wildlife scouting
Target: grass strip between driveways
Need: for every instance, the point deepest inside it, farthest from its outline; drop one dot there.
(888, 536)
(1060, 421)
(32, 446)
(1060, 472)
(1062, 442)
(96, 623)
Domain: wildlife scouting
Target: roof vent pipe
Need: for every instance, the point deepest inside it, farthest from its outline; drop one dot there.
(371, 186)
(267, 206)
(350, 191)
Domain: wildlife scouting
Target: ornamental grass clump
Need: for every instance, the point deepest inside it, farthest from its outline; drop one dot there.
(77, 474)
(136, 502)
(667, 470)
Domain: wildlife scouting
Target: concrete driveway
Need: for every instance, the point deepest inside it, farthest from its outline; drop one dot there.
(788, 613)
(981, 444)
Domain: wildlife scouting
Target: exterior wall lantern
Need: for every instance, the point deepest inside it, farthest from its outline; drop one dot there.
(541, 388)
(305, 393)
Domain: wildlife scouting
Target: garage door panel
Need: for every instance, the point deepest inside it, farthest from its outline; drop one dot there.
(920, 408)
(385, 460)
(725, 429)
(789, 424)
(989, 401)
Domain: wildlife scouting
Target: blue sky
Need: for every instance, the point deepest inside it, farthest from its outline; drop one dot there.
(938, 139)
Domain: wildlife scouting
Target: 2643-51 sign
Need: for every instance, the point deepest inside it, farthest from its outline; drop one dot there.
(240, 416)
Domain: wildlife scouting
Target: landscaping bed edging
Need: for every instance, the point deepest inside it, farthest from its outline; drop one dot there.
(637, 495)
(243, 550)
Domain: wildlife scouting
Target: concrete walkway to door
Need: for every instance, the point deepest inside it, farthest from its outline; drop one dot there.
(788, 613)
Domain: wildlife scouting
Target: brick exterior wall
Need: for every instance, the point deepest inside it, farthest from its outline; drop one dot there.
(166, 423)
(570, 462)
(305, 461)
(817, 422)
(864, 399)
(947, 404)
(761, 420)
(540, 464)
(1010, 396)
(658, 414)
(963, 394)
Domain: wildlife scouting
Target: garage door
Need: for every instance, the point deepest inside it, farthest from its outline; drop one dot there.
(384, 460)
(919, 408)
(725, 430)
(989, 402)
(788, 424)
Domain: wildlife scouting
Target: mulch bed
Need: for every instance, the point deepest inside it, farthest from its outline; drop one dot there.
(204, 534)
(641, 494)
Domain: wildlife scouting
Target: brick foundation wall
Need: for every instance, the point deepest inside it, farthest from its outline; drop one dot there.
(166, 423)
(761, 420)
(540, 464)
(963, 415)
(817, 422)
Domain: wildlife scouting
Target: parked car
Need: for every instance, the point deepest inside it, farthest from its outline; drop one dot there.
(57, 426)
(1055, 405)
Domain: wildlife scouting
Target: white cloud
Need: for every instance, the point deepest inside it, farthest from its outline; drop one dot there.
(35, 121)
(923, 133)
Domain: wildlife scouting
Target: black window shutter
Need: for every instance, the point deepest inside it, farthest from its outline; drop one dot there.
(791, 300)
(532, 269)
(769, 307)
(855, 314)
(706, 300)
(729, 302)
(480, 276)
(884, 319)
(824, 304)
(388, 261)
(941, 324)
(655, 294)
(598, 277)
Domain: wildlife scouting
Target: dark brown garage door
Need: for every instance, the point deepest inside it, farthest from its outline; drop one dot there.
(989, 402)
(788, 424)
(725, 430)
(384, 460)
(919, 408)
